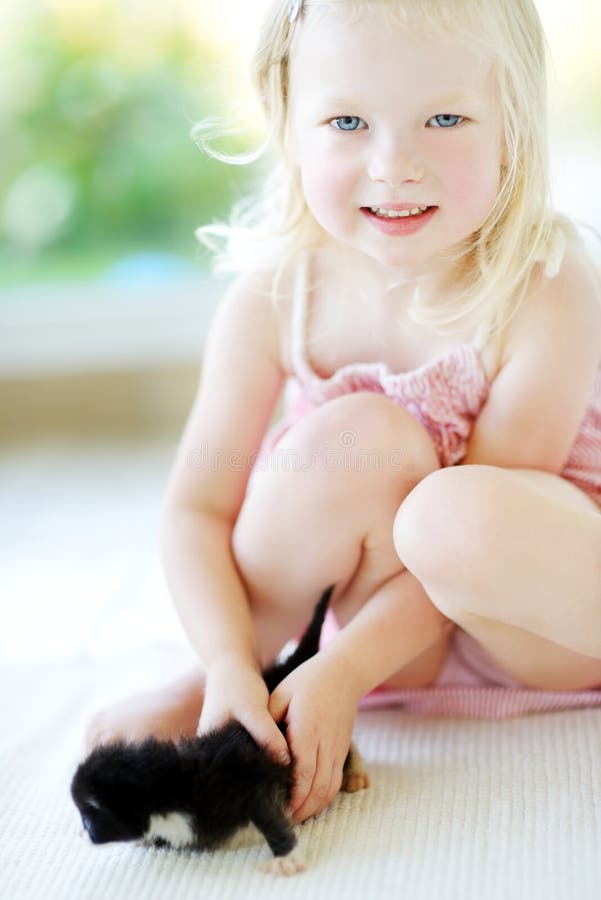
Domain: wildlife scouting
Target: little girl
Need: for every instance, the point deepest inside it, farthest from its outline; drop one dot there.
(437, 327)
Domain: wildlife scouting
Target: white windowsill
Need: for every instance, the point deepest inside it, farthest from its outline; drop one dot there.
(88, 327)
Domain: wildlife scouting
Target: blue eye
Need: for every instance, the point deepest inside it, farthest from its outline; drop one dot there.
(445, 121)
(348, 123)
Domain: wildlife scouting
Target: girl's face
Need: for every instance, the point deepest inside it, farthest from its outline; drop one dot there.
(389, 120)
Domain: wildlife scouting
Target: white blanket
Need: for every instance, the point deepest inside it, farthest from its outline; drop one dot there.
(457, 809)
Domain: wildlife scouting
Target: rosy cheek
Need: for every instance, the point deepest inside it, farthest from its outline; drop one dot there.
(327, 185)
(469, 179)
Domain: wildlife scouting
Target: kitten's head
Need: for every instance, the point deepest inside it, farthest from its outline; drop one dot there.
(118, 787)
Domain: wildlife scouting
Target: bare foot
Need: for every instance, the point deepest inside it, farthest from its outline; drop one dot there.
(355, 777)
(355, 781)
(167, 713)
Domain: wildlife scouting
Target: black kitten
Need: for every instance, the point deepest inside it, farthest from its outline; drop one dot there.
(199, 791)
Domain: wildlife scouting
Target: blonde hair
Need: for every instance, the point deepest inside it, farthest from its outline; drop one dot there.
(495, 266)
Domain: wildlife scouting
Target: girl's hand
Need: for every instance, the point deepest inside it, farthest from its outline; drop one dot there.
(236, 690)
(319, 704)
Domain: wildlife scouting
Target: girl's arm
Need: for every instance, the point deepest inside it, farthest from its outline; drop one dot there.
(241, 380)
(319, 700)
(537, 401)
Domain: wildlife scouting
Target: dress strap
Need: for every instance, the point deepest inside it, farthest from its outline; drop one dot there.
(299, 316)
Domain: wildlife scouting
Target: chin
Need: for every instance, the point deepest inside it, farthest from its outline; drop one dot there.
(393, 258)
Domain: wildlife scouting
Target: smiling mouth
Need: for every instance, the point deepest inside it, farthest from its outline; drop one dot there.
(399, 222)
(383, 213)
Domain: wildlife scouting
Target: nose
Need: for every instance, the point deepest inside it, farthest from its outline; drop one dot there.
(394, 166)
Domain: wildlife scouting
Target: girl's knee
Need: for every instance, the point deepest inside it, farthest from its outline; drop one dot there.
(457, 508)
(336, 476)
(355, 454)
(363, 431)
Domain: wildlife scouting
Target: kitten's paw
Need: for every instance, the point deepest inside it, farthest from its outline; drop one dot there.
(290, 864)
(355, 781)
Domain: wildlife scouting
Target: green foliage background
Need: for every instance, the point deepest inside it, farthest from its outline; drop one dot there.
(97, 101)
(97, 158)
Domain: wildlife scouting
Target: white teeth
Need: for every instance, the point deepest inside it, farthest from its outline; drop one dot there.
(397, 213)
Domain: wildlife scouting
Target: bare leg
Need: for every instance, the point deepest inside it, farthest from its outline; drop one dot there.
(303, 527)
(515, 561)
(328, 519)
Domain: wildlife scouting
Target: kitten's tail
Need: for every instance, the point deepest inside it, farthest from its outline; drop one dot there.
(307, 647)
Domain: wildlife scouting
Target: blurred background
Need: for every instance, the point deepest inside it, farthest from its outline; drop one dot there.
(105, 294)
(101, 188)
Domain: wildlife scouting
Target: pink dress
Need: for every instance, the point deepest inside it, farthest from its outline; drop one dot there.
(446, 395)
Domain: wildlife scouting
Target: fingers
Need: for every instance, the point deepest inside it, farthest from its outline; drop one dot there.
(278, 704)
(305, 773)
(262, 728)
(211, 719)
(265, 732)
(249, 707)
(314, 791)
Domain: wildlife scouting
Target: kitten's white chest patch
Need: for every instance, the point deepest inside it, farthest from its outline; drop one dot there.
(174, 828)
